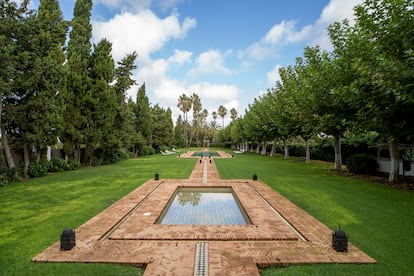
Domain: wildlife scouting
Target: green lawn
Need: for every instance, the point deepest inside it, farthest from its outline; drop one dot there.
(34, 213)
(377, 219)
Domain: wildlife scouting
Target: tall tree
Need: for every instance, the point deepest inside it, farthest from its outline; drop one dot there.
(213, 127)
(178, 132)
(379, 48)
(100, 101)
(197, 119)
(303, 108)
(203, 124)
(143, 118)
(184, 104)
(214, 115)
(162, 127)
(233, 114)
(12, 23)
(78, 80)
(123, 129)
(328, 84)
(36, 121)
(222, 112)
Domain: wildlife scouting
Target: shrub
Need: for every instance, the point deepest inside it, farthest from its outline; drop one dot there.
(58, 165)
(323, 150)
(11, 174)
(362, 163)
(3, 180)
(108, 157)
(148, 150)
(37, 169)
(73, 165)
(297, 150)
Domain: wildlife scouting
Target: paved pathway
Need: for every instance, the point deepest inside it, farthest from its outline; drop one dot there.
(281, 233)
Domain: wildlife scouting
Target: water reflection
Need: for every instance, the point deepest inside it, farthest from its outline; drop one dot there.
(189, 197)
(202, 206)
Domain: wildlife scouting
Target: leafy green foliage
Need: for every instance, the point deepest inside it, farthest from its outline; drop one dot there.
(38, 169)
(3, 180)
(162, 127)
(73, 165)
(77, 82)
(362, 163)
(109, 157)
(378, 49)
(148, 150)
(58, 165)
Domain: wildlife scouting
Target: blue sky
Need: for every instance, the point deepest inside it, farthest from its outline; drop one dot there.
(226, 51)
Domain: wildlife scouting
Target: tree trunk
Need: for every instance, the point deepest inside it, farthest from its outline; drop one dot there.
(26, 157)
(88, 155)
(308, 157)
(264, 148)
(258, 147)
(38, 155)
(338, 155)
(273, 152)
(286, 149)
(395, 160)
(77, 154)
(6, 148)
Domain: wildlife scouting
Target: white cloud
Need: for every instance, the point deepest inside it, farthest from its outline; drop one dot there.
(273, 75)
(279, 35)
(261, 93)
(180, 57)
(287, 32)
(144, 32)
(215, 92)
(336, 10)
(208, 62)
(165, 90)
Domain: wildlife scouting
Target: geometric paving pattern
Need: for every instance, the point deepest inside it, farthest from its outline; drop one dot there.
(280, 233)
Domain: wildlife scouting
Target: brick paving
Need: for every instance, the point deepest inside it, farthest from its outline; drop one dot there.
(280, 233)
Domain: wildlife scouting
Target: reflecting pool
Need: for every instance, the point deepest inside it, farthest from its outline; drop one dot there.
(204, 206)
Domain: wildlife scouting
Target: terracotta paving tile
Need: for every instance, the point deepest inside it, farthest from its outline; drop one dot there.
(127, 232)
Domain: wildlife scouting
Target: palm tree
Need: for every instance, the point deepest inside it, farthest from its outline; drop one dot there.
(197, 106)
(233, 114)
(222, 111)
(214, 114)
(184, 104)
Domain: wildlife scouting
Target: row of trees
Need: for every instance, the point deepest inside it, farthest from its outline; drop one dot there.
(366, 83)
(60, 90)
(198, 129)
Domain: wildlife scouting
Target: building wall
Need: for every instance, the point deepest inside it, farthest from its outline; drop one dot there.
(384, 165)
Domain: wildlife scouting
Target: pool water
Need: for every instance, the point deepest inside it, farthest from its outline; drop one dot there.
(205, 153)
(204, 206)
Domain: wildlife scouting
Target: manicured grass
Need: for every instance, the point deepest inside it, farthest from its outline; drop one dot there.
(378, 220)
(33, 213)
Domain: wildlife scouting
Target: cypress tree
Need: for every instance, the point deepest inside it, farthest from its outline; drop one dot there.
(12, 23)
(123, 128)
(143, 114)
(78, 81)
(34, 109)
(101, 101)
